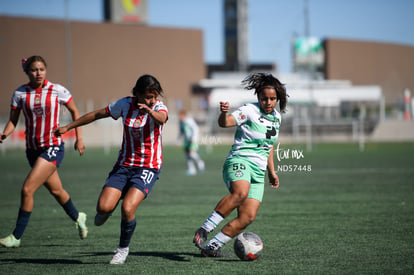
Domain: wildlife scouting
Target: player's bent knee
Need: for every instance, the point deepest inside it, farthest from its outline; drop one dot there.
(100, 218)
(239, 197)
(247, 219)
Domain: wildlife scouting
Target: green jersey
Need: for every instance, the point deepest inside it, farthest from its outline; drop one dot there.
(255, 135)
(189, 131)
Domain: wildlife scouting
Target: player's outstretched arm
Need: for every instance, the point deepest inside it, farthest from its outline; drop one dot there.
(83, 120)
(79, 145)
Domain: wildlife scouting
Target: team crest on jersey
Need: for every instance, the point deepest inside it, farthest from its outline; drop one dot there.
(37, 100)
(238, 173)
(241, 116)
(137, 122)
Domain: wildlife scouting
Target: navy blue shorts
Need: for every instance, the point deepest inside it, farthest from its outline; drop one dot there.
(123, 178)
(52, 154)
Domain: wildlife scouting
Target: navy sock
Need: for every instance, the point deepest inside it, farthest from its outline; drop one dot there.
(127, 230)
(21, 223)
(71, 210)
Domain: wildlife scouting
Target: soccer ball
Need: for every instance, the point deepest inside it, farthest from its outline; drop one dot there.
(248, 246)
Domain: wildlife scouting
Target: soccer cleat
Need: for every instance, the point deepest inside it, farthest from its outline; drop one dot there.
(120, 256)
(209, 251)
(200, 238)
(81, 225)
(100, 219)
(10, 241)
(191, 173)
(201, 166)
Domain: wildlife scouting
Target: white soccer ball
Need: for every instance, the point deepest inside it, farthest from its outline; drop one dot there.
(248, 246)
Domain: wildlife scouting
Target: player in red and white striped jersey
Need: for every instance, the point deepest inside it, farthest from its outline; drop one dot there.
(40, 101)
(141, 143)
(41, 108)
(140, 158)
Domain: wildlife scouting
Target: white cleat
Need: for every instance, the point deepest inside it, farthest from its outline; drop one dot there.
(81, 225)
(10, 241)
(120, 256)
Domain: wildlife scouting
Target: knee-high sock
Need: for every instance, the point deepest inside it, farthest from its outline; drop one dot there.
(212, 221)
(219, 240)
(71, 210)
(127, 230)
(196, 158)
(21, 223)
(190, 164)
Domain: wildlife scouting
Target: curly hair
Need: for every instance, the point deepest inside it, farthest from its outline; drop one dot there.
(259, 81)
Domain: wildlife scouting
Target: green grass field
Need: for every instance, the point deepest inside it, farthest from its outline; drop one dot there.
(340, 212)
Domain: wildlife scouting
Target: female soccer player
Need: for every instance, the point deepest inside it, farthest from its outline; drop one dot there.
(40, 102)
(140, 158)
(189, 130)
(245, 166)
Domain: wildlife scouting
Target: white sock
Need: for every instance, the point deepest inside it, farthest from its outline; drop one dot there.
(219, 240)
(212, 221)
(191, 167)
(196, 158)
(201, 165)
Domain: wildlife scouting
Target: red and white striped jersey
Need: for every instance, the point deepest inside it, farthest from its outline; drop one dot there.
(41, 109)
(142, 140)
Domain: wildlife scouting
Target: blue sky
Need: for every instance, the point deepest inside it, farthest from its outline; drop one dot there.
(272, 23)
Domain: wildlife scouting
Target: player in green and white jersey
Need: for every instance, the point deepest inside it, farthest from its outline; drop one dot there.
(245, 166)
(189, 130)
